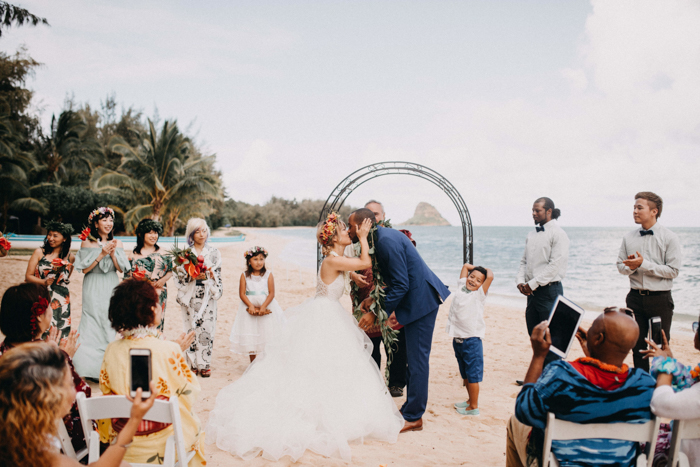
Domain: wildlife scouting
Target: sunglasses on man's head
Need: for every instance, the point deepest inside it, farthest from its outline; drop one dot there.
(620, 309)
(695, 326)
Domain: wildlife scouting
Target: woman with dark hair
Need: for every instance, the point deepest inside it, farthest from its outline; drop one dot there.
(100, 258)
(35, 390)
(51, 266)
(135, 314)
(151, 264)
(24, 318)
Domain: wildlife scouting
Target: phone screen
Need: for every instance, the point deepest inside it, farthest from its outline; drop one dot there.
(656, 332)
(563, 325)
(140, 374)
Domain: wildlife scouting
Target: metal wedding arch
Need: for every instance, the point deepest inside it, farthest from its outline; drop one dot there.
(340, 193)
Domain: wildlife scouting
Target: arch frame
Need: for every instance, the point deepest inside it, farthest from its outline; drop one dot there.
(342, 190)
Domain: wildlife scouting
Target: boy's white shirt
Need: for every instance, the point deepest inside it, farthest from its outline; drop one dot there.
(466, 318)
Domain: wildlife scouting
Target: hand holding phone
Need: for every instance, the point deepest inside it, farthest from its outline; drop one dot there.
(655, 330)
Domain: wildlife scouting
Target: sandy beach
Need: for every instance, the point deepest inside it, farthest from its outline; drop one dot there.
(447, 438)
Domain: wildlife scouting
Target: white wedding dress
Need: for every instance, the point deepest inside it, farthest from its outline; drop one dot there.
(316, 388)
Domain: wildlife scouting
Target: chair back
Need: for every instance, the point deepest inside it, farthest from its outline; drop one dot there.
(103, 407)
(682, 429)
(561, 430)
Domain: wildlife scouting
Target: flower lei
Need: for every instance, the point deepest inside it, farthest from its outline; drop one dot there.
(149, 225)
(38, 309)
(254, 251)
(140, 332)
(329, 228)
(389, 336)
(54, 226)
(98, 211)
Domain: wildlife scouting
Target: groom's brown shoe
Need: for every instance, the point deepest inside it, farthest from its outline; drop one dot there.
(412, 426)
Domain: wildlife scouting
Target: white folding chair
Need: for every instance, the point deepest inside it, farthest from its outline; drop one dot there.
(99, 408)
(682, 429)
(560, 430)
(67, 445)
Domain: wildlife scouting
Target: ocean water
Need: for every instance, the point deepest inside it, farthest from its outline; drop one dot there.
(591, 280)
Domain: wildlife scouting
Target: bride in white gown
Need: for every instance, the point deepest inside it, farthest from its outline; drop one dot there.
(316, 387)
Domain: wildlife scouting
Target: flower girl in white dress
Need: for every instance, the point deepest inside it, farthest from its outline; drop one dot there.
(316, 386)
(253, 327)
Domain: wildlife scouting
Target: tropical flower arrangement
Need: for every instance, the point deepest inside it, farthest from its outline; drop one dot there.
(85, 235)
(186, 258)
(59, 265)
(389, 336)
(5, 244)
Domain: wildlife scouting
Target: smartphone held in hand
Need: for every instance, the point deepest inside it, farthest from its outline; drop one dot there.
(140, 360)
(655, 330)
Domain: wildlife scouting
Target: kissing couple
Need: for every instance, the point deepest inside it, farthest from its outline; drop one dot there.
(316, 387)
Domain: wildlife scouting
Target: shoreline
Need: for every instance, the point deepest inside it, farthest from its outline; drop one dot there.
(447, 438)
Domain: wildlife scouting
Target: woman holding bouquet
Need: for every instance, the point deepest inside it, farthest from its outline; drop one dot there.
(51, 266)
(147, 260)
(199, 287)
(100, 258)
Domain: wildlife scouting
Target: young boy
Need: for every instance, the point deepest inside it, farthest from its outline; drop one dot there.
(466, 326)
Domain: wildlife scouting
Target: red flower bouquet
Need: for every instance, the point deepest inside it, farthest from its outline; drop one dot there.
(139, 274)
(5, 244)
(190, 262)
(85, 235)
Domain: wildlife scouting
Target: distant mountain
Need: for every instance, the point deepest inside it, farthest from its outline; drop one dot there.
(426, 214)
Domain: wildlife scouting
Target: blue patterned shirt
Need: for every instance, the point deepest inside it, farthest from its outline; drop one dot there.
(562, 390)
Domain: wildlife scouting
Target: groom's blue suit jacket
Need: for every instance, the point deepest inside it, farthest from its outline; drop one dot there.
(413, 290)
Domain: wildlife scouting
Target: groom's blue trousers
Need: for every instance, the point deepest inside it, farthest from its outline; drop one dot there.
(419, 339)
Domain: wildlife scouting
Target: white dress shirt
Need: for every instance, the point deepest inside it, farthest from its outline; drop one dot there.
(466, 318)
(546, 256)
(662, 258)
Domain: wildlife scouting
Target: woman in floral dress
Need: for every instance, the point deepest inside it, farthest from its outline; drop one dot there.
(197, 296)
(147, 259)
(51, 266)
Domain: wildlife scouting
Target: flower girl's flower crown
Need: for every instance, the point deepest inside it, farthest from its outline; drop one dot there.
(98, 211)
(329, 228)
(256, 250)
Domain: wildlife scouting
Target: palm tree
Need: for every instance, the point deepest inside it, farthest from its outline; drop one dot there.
(169, 179)
(15, 192)
(67, 151)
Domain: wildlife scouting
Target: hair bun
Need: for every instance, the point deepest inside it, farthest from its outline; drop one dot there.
(556, 213)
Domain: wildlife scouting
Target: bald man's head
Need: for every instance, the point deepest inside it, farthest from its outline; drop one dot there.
(612, 336)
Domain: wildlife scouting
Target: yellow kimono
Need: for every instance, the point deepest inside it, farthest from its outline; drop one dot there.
(172, 375)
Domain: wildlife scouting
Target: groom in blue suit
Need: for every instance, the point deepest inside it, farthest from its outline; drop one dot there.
(414, 293)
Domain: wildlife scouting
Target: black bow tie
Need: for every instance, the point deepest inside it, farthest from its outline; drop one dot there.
(646, 232)
(539, 229)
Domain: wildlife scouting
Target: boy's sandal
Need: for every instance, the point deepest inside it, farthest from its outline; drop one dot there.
(205, 373)
(194, 370)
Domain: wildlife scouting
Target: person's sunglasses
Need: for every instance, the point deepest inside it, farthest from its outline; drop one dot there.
(620, 309)
(695, 326)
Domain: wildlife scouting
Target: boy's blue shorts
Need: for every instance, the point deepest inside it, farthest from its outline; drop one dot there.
(470, 357)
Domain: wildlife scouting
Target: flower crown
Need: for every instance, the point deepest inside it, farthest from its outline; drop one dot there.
(103, 210)
(54, 226)
(38, 309)
(149, 225)
(329, 228)
(254, 251)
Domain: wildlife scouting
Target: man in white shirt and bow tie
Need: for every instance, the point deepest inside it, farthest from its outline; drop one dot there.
(651, 257)
(543, 265)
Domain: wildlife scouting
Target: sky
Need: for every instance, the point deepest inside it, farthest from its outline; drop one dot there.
(585, 102)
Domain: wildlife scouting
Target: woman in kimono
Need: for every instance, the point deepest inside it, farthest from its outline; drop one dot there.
(134, 313)
(100, 258)
(197, 296)
(51, 266)
(147, 258)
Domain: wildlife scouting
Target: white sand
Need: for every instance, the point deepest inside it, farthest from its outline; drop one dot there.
(447, 437)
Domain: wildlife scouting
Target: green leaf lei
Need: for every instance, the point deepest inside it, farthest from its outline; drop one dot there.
(389, 336)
